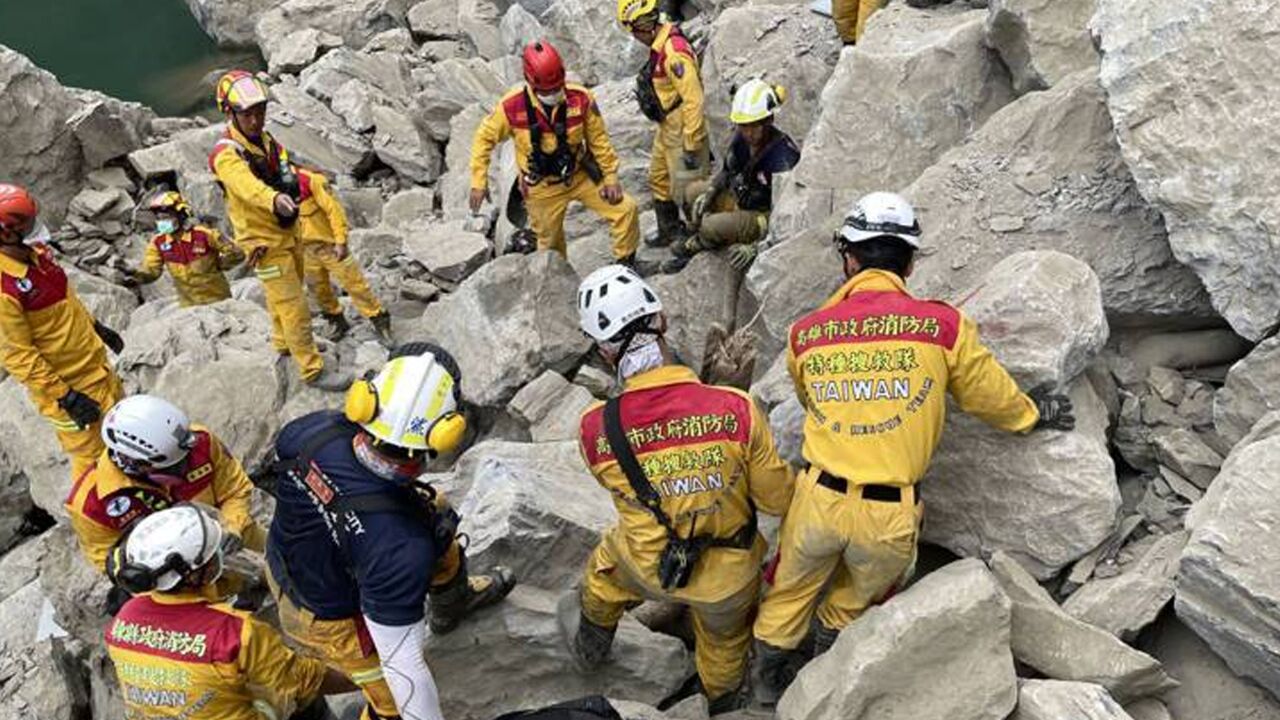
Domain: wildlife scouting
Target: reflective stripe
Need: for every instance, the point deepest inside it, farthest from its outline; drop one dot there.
(66, 425)
(443, 390)
(269, 272)
(367, 677)
(265, 710)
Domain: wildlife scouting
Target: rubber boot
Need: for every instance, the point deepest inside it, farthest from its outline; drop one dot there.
(382, 326)
(463, 595)
(670, 229)
(773, 669)
(336, 326)
(589, 644)
(643, 268)
(682, 252)
(331, 379)
(823, 637)
(736, 699)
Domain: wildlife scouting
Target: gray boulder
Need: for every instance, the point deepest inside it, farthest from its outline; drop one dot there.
(919, 83)
(527, 661)
(1252, 390)
(508, 322)
(1063, 648)
(1228, 574)
(434, 19)
(552, 407)
(355, 21)
(594, 46)
(448, 250)
(1209, 688)
(1045, 173)
(312, 132)
(1057, 700)
(451, 85)
(533, 508)
(402, 144)
(33, 468)
(1041, 41)
(230, 22)
(108, 128)
(953, 624)
(631, 134)
(1125, 604)
(1166, 68)
(695, 298)
(795, 50)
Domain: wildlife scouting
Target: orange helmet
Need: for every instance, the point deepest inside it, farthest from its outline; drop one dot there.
(169, 201)
(18, 209)
(240, 90)
(543, 69)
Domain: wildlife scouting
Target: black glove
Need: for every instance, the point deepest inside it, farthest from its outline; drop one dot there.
(110, 337)
(82, 408)
(1055, 408)
(690, 159)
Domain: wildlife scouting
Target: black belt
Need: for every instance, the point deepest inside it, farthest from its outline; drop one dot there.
(880, 493)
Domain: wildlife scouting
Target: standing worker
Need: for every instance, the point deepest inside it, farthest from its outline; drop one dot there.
(358, 544)
(688, 465)
(322, 229)
(194, 255)
(180, 651)
(48, 340)
(733, 209)
(851, 17)
(872, 367)
(562, 151)
(154, 459)
(261, 188)
(669, 91)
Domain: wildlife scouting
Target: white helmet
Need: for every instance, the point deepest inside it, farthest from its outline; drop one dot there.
(611, 298)
(412, 403)
(148, 429)
(881, 214)
(171, 543)
(755, 101)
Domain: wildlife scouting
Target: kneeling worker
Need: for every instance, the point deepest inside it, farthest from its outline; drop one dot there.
(357, 544)
(563, 153)
(688, 465)
(195, 256)
(733, 209)
(181, 652)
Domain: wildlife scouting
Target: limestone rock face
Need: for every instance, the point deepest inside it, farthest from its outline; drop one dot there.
(1042, 42)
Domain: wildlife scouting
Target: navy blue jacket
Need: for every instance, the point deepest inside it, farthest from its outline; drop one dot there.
(752, 184)
(376, 563)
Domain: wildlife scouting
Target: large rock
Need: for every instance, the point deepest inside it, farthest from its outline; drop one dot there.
(1229, 577)
(451, 85)
(454, 186)
(631, 135)
(695, 298)
(1063, 648)
(35, 149)
(384, 74)
(108, 303)
(1211, 173)
(355, 21)
(527, 662)
(108, 128)
(1125, 604)
(795, 50)
(1252, 389)
(1042, 41)
(594, 46)
(1045, 173)
(533, 508)
(402, 144)
(508, 322)
(918, 84)
(1058, 700)
(552, 407)
(230, 22)
(33, 468)
(312, 132)
(43, 681)
(1209, 688)
(953, 624)
(448, 250)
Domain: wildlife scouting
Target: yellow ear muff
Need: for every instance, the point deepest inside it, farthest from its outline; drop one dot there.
(446, 434)
(362, 402)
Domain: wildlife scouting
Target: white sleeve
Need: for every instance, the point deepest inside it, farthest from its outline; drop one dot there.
(405, 669)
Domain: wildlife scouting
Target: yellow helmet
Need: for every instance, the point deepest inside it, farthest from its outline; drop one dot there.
(755, 101)
(169, 201)
(239, 90)
(412, 403)
(629, 11)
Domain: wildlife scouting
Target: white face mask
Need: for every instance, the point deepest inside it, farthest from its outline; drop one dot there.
(165, 226)
(551, 99)
(38, 235)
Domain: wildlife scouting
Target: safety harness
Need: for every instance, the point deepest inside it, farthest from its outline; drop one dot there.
(558, 165)
(274, 169)
(646, 94)
(680, 556)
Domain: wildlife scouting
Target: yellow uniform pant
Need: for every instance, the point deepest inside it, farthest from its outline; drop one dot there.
(722, 628)
(851, 17)
(345, 644)
(668, 178)
(547, 203)
(323, 268)
(83, 446)
(281, 273)
(864, 547)
(723, 224)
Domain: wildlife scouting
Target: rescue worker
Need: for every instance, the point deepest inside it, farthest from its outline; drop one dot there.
(851, 17)
(696, 463)
(669, 92)
(261, 188)
(562, 151)
(872, 368)
(194, 255)
(732, 210)
(358, 544)
(48, 340)
(322, 228)
(180, 651)
(154, 459)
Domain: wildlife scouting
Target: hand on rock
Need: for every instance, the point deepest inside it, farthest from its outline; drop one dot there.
(477, 198)
(1056, 412)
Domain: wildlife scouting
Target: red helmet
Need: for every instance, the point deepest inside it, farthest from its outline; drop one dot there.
(18, 209)
(543, 69)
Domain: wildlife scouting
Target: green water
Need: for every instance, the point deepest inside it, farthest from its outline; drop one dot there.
(150, 51)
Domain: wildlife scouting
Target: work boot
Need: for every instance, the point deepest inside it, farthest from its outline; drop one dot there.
(682, 252)
(773, 669)
(463, 595)
(736, 699)
(331, 379)
(382, 326)
(589, 644)
(643, 268)
(670, 229)
(823, 636)
(335, 326)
